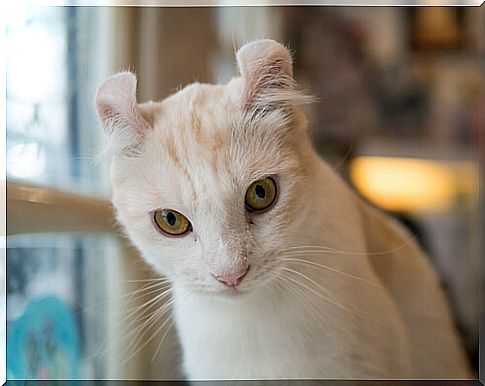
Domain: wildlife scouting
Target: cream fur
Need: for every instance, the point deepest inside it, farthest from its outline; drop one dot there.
(365, 305)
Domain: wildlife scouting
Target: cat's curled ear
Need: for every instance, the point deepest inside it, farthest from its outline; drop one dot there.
(267, 73)
(119, 112)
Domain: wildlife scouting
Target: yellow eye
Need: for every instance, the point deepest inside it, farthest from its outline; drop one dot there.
(261, 194)
(171, 222)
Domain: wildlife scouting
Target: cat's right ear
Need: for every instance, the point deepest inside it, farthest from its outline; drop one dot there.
(118, 110)
(267, 72)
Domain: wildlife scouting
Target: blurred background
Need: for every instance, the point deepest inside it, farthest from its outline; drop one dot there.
(396, 116)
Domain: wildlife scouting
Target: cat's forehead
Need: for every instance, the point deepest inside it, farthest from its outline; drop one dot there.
(200, 110)
(206, 127)
(193, 127)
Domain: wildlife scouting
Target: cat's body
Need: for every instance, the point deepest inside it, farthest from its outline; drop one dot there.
(332, 288)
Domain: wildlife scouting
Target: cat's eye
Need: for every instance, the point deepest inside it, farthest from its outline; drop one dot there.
(171, 222)
(261, 195)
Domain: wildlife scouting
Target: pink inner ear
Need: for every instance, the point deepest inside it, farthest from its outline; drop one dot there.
(266, 68)
(117, 93)
(116, 103)
(264, 80)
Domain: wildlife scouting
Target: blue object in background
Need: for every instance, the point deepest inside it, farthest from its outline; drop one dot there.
(43, 343)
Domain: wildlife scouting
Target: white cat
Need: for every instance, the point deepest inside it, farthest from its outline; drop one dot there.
(278, 269)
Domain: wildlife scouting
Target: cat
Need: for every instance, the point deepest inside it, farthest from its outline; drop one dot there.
(278, 269)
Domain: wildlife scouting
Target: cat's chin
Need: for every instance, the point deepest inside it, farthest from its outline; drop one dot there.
(240, 293)
(257, 286)
(233, 293)
(228, 294)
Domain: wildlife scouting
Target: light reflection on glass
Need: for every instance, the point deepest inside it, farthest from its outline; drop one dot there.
(26, 160)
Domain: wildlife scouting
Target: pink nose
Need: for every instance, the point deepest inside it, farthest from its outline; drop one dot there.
(233, 279)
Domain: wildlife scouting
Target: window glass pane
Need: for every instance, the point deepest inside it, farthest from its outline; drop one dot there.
(53, 135)
(55, 326)
(36, 95)
(56, 306)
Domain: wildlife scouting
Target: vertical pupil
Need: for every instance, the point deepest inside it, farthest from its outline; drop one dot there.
(260, 192)
(171, 219)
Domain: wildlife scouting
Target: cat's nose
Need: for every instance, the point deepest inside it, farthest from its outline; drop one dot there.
(234, 278)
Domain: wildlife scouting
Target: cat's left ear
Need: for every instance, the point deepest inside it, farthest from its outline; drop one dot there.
(267, 73)
(118, 109)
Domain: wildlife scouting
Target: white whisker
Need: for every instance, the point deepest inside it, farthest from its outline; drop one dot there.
(149, 304)
(162, 340)
(146, 325)
(128, 295)
(166, 332)
(324, 290)
(337, 251)
(290, 258)
(300, 294)
(155, 280)
(143, 310)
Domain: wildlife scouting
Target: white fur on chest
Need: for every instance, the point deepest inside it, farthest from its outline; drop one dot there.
(279, 336)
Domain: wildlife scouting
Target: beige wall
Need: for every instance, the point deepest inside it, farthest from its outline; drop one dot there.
(158, 46)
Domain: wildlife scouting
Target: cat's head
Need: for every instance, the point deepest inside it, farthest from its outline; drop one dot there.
(209, 184)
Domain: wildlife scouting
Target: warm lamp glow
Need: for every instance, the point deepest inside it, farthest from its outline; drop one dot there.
(415, 185)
